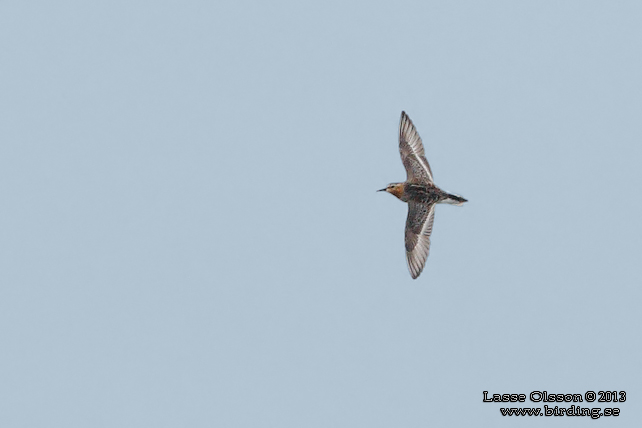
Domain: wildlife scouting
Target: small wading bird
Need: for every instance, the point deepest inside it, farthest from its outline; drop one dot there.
(421, 194)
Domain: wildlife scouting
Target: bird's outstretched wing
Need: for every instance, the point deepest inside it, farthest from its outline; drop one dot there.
(412, 152)
(418, 230)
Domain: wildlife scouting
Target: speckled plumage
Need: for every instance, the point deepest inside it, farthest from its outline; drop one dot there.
(421, 194)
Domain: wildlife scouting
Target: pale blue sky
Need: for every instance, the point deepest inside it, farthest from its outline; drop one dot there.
(190, 234)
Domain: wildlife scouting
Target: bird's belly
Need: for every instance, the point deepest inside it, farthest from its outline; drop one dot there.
(421, 194)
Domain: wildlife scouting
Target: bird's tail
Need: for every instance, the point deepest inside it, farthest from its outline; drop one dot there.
(454, 200)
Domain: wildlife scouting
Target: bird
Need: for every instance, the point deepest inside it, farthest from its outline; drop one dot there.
(421, 194)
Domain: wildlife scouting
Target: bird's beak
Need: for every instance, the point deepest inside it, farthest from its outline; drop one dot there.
(382, 190)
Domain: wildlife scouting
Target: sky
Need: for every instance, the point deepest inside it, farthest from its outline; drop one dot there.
(190, 233)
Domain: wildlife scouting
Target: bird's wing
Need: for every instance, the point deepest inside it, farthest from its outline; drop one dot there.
(418, 230)
(412, 152)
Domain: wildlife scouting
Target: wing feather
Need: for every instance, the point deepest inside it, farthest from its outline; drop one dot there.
(412, 152)
(418, 230)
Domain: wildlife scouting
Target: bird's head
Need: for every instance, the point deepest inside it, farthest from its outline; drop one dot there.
(394, 189)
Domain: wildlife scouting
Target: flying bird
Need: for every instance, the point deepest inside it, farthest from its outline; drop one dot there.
(421, 194)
